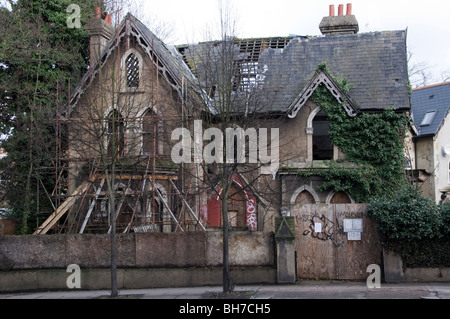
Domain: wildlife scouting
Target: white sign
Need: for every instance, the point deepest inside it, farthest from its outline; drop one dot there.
(354, 235)
(353, 225)
(318, 227)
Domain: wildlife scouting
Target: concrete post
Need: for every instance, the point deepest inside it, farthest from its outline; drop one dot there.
(285, 239)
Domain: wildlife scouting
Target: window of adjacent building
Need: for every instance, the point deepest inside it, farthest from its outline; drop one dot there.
(408, 163)
(428, 118)
(322, 147)
(116, 134)
(132, 69)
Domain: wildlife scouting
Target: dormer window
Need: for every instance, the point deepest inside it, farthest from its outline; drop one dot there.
(428, 119)
(133, 70)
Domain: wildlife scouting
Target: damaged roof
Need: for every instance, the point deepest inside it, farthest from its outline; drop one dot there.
(374, 64)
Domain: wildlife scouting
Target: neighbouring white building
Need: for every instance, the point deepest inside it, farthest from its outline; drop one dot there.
(430, 110)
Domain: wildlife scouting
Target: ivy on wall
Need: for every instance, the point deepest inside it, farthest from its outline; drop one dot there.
(415, 227)
(373, 142)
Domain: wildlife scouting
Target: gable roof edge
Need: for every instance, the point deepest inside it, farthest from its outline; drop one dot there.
(130, 26)
(322, 77)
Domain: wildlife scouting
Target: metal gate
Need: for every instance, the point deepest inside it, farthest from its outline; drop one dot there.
(335, 241)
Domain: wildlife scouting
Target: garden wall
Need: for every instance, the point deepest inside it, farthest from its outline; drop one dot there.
(395, 272)
(144, 260)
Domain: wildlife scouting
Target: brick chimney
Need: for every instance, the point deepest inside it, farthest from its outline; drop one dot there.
(100, 30)
(340, 24)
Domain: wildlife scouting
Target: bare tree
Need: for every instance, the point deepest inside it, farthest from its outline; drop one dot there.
(445, 76)
(104, 132)
(236, 119)
(419, 72)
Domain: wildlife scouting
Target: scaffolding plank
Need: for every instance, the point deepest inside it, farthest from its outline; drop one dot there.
(91, 208)
(168, 208)
(56, 216)
(189, 207)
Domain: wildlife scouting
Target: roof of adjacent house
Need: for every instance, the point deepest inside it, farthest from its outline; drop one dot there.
(430, 105)
(375, 64)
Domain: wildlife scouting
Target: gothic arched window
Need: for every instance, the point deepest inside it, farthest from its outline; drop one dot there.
(132, 69)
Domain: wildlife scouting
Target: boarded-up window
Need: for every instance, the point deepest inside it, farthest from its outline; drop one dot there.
(340, 198)
(305, 198)
(237, 204)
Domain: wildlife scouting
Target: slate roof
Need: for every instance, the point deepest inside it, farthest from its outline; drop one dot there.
(428, 99)
(167, 55)
(374, 63)
(169, 60)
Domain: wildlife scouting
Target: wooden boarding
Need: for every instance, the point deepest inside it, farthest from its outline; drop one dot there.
(62, 209)
(328, 254)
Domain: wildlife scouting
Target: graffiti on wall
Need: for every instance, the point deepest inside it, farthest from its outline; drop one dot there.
(326, 227)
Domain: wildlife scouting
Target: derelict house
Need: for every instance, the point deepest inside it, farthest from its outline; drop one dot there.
(139, 90)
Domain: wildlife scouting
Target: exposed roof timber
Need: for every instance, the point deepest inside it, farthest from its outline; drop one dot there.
(322, 77)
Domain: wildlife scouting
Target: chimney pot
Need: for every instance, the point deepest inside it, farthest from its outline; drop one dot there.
(349, 9)
(332, 10)
(341, 24)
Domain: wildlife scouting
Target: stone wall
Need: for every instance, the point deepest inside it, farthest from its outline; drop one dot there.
(144, 260)
(194, 249)
(395, 272)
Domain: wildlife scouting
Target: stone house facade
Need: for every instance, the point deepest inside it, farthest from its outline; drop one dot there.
(139, 90)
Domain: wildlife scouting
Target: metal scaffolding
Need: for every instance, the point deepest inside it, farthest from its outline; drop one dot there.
(148, 199)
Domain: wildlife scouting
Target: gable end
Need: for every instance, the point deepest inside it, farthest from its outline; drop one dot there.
(322, 77)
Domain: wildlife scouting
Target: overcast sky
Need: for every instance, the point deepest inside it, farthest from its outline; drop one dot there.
(427, 22)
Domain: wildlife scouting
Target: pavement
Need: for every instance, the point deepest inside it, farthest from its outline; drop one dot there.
(301, 290)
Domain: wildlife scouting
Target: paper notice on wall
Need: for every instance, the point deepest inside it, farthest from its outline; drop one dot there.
(353, 225)
(318, 227)
(354, 235)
